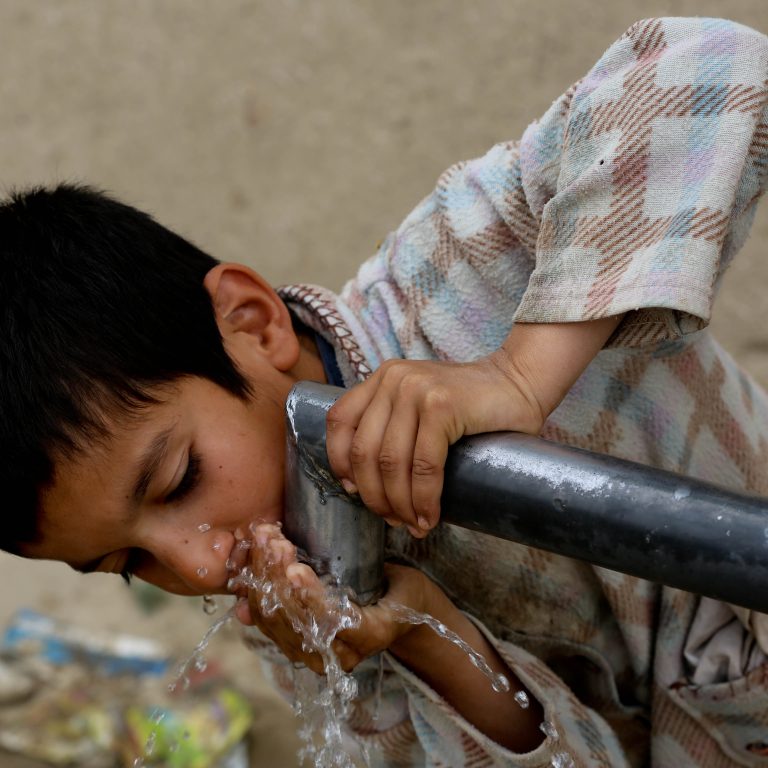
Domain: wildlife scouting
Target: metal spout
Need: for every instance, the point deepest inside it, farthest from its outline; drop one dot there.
(618, 514)
(342, 538)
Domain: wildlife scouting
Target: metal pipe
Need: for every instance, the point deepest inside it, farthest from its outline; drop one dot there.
(618, 514)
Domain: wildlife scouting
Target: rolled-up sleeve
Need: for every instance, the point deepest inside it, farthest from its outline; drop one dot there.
(645, 176)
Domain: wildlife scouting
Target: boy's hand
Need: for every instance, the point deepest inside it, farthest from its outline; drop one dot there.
(388, 437)
(277, 573)
(443, 666)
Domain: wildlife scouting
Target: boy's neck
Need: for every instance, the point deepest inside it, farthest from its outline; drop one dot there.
(309, 366)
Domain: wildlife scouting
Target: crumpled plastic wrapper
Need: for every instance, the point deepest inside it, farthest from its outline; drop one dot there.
(190, 734)
(71, 698)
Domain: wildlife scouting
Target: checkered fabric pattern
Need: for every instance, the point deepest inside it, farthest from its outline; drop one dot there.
(631, 195)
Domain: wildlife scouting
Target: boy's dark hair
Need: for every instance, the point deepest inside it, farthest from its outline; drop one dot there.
(98, 304)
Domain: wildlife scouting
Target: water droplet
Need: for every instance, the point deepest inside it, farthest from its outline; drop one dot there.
(230, 565)
(347, 686)
(209, 605)
(548, 729)
(683, 492)
(245, 544)
(157, 716)
(202, 571)
(562, 760)
(204, 527)
(719, 517)
(201, 664)
(727, 533)
(216, 546)
(500, 684)
(521, 697)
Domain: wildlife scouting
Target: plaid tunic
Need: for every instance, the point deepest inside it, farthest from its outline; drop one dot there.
(630, 195)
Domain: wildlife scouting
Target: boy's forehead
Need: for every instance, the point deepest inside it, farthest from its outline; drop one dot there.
(103, 458)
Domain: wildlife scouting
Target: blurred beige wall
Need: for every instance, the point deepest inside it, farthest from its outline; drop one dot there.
(293, 135)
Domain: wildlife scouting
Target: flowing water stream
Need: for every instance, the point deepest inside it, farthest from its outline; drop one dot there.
(323, 702)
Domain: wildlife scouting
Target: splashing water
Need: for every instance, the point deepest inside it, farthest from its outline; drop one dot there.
(521, 697)
(209, 605)
(499, 682)
(549, 730)
(322, 702)
(196, 659)
(559, 759)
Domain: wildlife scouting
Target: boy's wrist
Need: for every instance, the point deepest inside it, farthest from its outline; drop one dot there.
(530, 413)
(544, 360)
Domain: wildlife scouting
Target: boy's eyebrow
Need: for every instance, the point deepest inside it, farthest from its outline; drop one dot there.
(149, 462)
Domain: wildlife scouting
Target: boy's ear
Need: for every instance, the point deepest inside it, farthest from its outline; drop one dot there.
(251, 316)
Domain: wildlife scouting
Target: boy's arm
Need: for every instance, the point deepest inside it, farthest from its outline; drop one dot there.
(452, 700)
(389, 436)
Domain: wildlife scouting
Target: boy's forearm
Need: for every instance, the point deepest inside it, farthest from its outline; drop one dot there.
(450, 673)
(545, 359)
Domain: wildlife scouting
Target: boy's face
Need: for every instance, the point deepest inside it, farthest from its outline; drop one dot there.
(169, 491)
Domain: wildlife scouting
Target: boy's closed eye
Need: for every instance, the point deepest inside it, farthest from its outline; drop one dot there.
(189, 479)
(188, 482)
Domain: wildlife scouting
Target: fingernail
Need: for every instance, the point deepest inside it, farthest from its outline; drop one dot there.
(349, 486)
(423, 523)
(294, 576)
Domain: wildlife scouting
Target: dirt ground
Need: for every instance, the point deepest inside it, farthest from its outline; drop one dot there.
(292, 136)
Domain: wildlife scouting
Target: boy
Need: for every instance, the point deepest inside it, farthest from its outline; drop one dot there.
(559, 285)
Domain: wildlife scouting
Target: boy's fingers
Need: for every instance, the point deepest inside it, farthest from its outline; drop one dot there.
(395, 459)
(341, 422)
(364, 455)
(301, 575)
(429, 455)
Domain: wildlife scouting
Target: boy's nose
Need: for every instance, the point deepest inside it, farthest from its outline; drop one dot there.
(203, 559)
